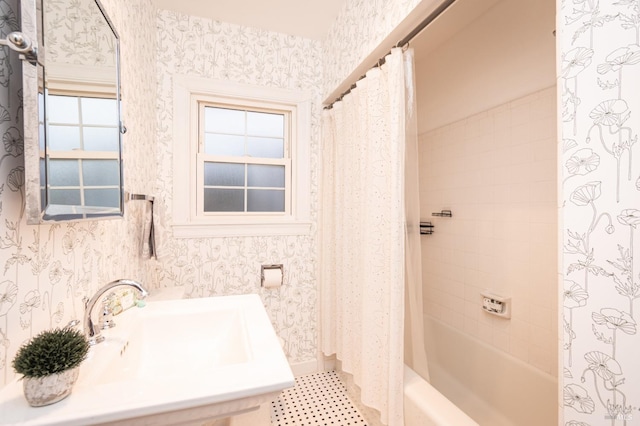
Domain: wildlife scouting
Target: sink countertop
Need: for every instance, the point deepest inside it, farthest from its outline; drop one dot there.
(98, 397)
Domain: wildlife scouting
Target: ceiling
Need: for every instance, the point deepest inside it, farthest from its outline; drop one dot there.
(312, 18)
(456, 18)
(305, 18)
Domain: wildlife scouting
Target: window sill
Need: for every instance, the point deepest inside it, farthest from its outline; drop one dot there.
(239, 229)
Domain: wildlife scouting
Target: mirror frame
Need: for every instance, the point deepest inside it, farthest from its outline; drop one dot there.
(33, 81)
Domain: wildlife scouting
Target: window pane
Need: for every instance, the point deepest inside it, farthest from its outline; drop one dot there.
(41, 136)
(64, 138)
(222, 120)
(41, 108)
(215, 144)
(64, 196)
(265, 200)
(269, 176)
(99, 111)
(63, 173)
(265, 147)
(263, 124)
(100, 139)
(62, 109)
(43, 194)
(100, 172)
(223, 174)
(108, 197)
(223, 200)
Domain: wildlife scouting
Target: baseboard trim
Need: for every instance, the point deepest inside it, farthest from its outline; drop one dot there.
(304, 368)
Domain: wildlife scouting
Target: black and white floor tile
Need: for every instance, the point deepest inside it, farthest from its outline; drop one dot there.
(316, 400)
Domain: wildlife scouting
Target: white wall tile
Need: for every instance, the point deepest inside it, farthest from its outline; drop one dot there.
(507, 228)
(519, 348)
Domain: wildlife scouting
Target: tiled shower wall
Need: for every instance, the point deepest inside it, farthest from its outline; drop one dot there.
(496, 171)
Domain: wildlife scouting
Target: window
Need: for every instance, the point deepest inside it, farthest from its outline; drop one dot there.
(241, 159)
(83, 151)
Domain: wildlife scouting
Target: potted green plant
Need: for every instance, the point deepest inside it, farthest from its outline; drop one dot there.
(50, 364)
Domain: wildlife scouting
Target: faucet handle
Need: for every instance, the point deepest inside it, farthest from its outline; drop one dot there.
(106, 320)
(106, 317)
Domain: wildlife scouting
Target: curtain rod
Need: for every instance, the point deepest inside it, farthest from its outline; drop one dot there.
(402, 43)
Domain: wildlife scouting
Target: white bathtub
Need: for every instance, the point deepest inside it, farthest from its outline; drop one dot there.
(425, 406)
(468, 376)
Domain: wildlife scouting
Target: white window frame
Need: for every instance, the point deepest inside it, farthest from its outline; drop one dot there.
(289, 114)
(188, 92)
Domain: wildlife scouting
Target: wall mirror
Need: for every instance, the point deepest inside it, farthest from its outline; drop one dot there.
(73, 128)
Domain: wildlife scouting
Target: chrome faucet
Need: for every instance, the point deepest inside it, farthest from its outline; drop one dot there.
(91, 331)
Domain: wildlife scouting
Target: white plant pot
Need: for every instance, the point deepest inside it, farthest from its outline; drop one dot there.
(47, 390)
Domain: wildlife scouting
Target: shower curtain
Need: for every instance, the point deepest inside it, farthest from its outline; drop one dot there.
(414, 354)
(363, 225)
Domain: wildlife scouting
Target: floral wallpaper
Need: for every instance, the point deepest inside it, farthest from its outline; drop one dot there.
(45, 270)
(77, 33)
(359, 28)
(189, 45)
(599, 69)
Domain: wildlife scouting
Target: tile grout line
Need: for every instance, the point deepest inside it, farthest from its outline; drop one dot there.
(316, 400)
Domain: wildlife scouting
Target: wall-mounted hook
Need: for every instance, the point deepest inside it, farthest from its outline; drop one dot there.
(443, 213)
(426, 228)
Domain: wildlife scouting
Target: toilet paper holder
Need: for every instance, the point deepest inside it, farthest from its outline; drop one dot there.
(274, 266)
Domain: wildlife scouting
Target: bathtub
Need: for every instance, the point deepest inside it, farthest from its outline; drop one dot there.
(425, 406)
(475, 384)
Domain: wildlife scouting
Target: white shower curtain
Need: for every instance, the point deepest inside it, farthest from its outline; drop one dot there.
(363, 233)
(415, 355)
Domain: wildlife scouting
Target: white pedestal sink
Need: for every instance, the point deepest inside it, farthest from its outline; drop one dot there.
(172, 362)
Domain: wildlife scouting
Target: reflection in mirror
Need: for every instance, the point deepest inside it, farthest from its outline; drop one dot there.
(80, 159)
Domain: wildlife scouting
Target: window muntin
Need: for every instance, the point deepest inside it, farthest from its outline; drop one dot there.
(187, 222)
(244, 164)
(83, 151)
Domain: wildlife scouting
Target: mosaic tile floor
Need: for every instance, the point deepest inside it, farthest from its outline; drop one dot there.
(316, 400)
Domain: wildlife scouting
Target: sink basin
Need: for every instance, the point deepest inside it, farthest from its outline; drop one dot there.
(172, 362)
(202, 341)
